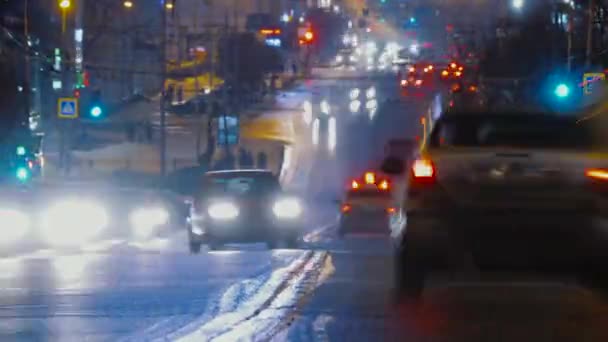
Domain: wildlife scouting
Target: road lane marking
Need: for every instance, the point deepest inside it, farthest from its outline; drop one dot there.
(316, 234)
(279, 309)
(282, 325)
(280, 285)
(219, 325)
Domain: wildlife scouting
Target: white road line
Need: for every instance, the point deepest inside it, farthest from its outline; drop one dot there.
(224, 323)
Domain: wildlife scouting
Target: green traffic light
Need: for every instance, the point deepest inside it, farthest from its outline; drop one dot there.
(23, 174)
(21, 151)
(96, 111)
(562, 90)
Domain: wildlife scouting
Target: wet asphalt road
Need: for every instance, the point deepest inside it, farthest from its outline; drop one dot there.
(329, 290)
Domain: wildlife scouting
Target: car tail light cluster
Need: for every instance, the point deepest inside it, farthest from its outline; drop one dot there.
(370, 179)
(424, 171)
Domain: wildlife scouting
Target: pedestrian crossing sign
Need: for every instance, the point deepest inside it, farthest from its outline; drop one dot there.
(67, 108)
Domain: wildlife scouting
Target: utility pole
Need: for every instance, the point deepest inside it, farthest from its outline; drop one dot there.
(27, 86)
(570, 33)
(163, 77)
(225, 98)
(590, 13)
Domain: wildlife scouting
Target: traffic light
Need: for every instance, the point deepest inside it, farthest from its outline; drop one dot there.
(562, 90)
(96, 111)
(21, 151)
(22, 174)
(96, 107)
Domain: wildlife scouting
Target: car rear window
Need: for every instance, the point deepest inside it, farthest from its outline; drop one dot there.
(240, 185)
(523, 131)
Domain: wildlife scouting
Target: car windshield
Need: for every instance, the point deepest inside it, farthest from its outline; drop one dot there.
(515, 130)
(240, 185)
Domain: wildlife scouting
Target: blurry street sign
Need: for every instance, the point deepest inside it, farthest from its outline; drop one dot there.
(67, 108)
(228, 130)
(589, 79)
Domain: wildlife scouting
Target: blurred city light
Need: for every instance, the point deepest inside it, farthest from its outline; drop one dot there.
(562, 90)
(21, 150)
(96, 111)
(128, 4)
(65, 4)
(23, 174)
(517, 4)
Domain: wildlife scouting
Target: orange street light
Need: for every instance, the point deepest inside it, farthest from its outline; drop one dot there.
(65, 4)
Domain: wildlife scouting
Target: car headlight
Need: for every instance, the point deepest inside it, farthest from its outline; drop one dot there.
(15, 225)
(145, 220)
(339, 59)
(287, 208)
(73, 221)
(223, 211)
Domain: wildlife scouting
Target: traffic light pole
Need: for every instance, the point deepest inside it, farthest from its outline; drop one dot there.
(163, 76)
(589, 46)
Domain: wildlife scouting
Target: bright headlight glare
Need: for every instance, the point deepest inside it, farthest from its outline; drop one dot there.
(287, 208)
(73, 221)
(223, 211)
(15, 225)
(145, 220)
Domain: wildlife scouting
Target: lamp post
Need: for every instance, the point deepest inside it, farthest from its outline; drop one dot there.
(163, 72)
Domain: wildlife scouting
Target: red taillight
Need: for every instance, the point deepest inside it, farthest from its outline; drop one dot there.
(403, 82)
(391, 210)
(383, 185)
(598, 174)
(346, 208)
(354, 185)
(423, 169)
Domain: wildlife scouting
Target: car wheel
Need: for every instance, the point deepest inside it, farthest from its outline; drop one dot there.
(410, 272)
(195, 247)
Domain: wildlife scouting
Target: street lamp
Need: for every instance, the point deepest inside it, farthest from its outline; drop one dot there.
(128, 4)
(65, 4)
(518, 4)
(169, 5)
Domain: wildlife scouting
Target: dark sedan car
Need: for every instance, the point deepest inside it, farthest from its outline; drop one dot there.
(240, 206)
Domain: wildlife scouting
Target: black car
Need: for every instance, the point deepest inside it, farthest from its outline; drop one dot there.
(243, 206)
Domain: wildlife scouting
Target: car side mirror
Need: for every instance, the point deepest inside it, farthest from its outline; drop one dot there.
(393, 166)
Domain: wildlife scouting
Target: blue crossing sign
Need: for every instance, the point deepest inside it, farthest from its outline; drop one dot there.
(67, 108)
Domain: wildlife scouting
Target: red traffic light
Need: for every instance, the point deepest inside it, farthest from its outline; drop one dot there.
(76, 93)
